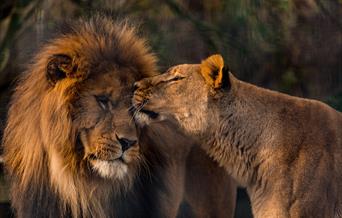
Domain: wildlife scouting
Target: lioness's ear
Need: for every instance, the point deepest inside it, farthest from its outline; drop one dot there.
(59, 67)
(212, 70)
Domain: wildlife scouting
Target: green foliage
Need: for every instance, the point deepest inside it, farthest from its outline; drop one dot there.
(19, 18)
(289, 79)
(335, 101)
(4, 189)
(4, 58)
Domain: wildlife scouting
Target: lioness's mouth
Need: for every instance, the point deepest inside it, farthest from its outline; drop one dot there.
(139, 109)
(151, 114)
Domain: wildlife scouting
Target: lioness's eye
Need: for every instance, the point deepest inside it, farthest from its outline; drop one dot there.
(102, 101)
(176, 78)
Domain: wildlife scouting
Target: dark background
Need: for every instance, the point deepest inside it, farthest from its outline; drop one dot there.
(293, 46)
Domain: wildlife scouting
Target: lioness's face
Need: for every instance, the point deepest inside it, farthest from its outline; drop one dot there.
(106, 134)
(181, 93)
(184, 93)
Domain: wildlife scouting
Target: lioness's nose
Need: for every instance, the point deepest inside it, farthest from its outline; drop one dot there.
(126, 143)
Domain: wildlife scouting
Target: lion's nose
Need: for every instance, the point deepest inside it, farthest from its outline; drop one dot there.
(126, 143)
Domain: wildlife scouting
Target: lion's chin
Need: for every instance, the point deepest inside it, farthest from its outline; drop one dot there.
(110, 169)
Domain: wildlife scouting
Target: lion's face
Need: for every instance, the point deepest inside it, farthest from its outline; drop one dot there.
(105, 130)
(183, 93)
(103, 137)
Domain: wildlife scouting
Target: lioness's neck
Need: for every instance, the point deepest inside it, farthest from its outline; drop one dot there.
(241, 127)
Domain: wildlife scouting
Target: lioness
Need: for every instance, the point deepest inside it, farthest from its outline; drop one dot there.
(71, 148)
(286, 150)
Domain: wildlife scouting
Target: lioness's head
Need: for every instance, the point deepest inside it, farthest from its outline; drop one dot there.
(184, 92)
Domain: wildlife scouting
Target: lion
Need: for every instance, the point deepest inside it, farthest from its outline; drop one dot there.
(287, 151)
(71, 148)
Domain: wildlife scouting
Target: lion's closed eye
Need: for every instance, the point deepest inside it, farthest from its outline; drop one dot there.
(103, 101)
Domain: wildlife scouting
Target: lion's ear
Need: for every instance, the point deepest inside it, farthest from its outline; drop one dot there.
(59, 67)
(212, 69)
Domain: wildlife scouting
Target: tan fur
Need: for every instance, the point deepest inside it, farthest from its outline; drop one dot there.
(286, 150)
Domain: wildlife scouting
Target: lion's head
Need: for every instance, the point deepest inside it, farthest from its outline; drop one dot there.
(69, 126)
(183, 93)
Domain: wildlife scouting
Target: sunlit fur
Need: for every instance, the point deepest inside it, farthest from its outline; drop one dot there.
(192, 116)
(286, 150)
(51, 175)
(210, 66)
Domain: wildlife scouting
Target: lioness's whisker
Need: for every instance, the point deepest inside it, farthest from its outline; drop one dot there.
(137, 110)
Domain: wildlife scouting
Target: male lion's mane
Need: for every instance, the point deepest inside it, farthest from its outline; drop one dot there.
(39, 121)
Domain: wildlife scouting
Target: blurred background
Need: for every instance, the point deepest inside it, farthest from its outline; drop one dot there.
(294, 46)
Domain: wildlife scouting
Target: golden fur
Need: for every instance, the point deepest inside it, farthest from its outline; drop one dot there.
(70, 144)
(286, 150)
